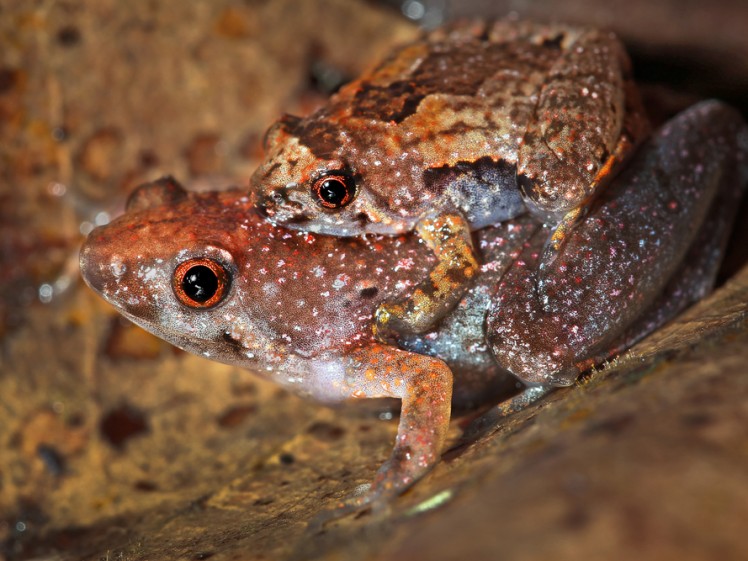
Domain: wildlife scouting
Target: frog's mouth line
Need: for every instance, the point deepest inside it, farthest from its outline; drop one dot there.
(284, 218)
(278, 209)
(186, 342)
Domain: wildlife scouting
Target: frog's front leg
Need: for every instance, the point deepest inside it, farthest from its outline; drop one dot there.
(424, 384)
(448, 236)
(547, 324)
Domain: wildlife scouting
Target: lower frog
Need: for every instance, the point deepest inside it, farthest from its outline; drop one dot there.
(205, 272)
(472, 125)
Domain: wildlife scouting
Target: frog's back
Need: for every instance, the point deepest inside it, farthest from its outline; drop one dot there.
(460, 94)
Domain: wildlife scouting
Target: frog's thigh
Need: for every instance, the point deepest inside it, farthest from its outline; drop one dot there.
(577, 130)
(695, 276)
(546, 324)
(424, 384)
(448, 236)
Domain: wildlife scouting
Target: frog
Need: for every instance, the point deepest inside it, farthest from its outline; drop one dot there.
(207, 272)
(470, 125)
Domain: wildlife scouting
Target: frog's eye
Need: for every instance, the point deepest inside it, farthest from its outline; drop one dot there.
(201, 283)
(334, 191)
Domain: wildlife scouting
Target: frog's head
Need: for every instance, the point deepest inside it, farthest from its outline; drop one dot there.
(207, 273)
(170, 265)
(309, 181)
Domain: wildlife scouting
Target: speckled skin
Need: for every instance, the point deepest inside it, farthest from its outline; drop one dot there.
(299, 308)
(637, 235)
(478, 122)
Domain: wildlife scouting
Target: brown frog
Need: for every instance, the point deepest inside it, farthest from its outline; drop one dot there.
(470, 126)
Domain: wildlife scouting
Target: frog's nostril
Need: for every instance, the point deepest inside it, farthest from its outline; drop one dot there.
(275, 201)
(267, 206)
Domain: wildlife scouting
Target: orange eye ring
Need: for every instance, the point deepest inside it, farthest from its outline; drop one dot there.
(200, 283)
(334, 191)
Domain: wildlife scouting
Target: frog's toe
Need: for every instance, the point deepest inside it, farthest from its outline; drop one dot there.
(388, 322)
(371, 500)
(392, 320)
(555, 243)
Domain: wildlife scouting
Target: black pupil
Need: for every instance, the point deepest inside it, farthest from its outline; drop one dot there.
(333, 191)
(200, 283)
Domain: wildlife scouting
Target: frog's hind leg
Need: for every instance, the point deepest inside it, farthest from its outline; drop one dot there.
(588, 121)
(548, 324)
(448, 236)
(691, 282)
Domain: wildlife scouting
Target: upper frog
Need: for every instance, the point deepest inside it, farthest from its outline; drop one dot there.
(474, 123)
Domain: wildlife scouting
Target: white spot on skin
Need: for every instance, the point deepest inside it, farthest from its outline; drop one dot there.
(150, 274)
(340, 281)
(118, 268)
(270, 289)
(404, 264)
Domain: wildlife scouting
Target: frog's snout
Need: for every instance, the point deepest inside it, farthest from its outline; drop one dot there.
(88, 258)
(268, 204)
(100, 263)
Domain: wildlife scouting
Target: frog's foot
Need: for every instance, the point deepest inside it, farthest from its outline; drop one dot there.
(448, 235)
(375, 498)
(556, 240)
(351, 506)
